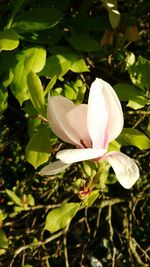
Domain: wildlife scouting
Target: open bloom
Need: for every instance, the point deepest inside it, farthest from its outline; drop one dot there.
(90, 128)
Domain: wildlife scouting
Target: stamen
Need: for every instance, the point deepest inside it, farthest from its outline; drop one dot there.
(82, 143)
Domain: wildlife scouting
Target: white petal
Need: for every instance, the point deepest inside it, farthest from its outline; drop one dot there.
(77, 119)
(105, 116)
(97, 118)
(126, 170)
(75, 155)
(114, 109)
(53, 168)
(58, 107)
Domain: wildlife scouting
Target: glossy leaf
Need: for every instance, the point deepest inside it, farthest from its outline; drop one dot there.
(3, 100)
(38, 149)
(14, 197)
(79, 66)
(130, 93)
(37, 19)
(50, 85)
(3, 242)
(35, 58)
(133, 137)
(8, 40)
(84, 43)
(56, 65)
(32, 59)
(36, 92)
(60, 217)
(139, 73)
(19, 84)
(17, 5)
(91, 198)
(114, 15)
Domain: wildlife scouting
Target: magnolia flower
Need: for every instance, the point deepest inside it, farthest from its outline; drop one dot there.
(90, 128)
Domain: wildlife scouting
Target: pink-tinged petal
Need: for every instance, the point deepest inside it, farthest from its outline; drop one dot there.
(70, 156)
(114, 110)
(77, 119)
(97, 118)
(58, 107)
(126, 170)
(54, 168)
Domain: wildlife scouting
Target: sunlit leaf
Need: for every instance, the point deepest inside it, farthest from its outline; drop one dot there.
(36, 92)
(14, 197)
(133, 137)
(50, 85)
(35, 58)
(60, 217)
(56, 65)
(8, 40)
(91, 198)
(139, 73)
(79, 66)
(3, 100)
(114, 15)
(70, 92)
(32, 59)
(38, 149)
(130, 93)
(3, 242)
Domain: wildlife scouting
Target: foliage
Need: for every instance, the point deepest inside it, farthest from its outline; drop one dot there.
(81, 215)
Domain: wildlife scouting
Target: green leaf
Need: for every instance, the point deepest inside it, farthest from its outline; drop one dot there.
(16, 6)
(3, 242)
(114, 15)
(102, 174)
(33, 126)
(35, 59)
(84, 43)
(8, 40)
(37, 19)
(133, 137)
(50, 85)
(60, 217)
(70, 92)
(3, 100)
(38, 149)
(36, 92)
(114, 146)
(130, 93)
(139, 73)
(91, 198)
(32, 59)
(19, 86)
(56, 65)
(79, 66)
(89, 168)
(14, 197)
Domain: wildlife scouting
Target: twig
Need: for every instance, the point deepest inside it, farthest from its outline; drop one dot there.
(37, 244)
(97, 222)
(111, 235)
(65, 247)
(139, 121)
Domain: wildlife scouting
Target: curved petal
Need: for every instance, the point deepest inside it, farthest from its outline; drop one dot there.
(75, 155)
(77, 119)
(54, 168)
(114, 109)
(97, 118)
(58, 107)
(126, 170)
